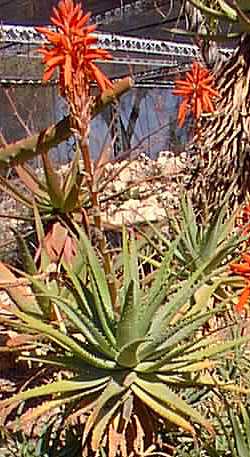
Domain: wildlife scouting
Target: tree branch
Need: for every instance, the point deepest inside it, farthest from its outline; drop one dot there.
(30, 147)
(211, 11)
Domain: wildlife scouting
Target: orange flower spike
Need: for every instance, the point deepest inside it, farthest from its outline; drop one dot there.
(205, 73)
(208, 104)
(100, 78)
(246, 257)
(243, 300)
(197, 86)
(207, 79)
(72, 47)
(210, 91)
(55, 15)
(184, 107)
(240, 267)
(65, 7)
(68, 71)
(54, 37)
(89, 29)
(197, 110)
(48, 74)
(83, 20)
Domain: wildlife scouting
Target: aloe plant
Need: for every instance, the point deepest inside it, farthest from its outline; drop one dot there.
(213, 242)
(51, 193)
(129, 363)
(59, 199)
(233, 432)
(235, 426)
(241, 432)
(30, 289)
(54, 198)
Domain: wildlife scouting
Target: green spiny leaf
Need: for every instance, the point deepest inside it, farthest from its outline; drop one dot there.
(163, 345)
(246, 421)
(70, 178)
(127, 356)
(166, 396)
(211, 12)
(19, 293)
(84, 325)
(157, 292)
(53, 182)
(26, 257)
(128, 328)
(83, 301)
(102, 422)
(106, 310)
(112, 390)
(45, 260)
(31, 182)
(66, 342)
(240, 443)
(56, 387)
(162, 410)
(216, 349)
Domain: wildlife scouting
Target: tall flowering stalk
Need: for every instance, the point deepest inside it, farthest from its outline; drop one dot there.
(72, 49)
(197, 90)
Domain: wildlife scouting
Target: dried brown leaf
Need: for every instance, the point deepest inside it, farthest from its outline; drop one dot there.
(20, 294)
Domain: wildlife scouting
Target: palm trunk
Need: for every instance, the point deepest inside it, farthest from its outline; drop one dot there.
(223, 138)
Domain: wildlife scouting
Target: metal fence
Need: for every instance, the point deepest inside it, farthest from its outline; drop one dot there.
(145, 117)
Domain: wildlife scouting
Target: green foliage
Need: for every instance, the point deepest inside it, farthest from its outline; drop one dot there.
(235, 426)
(215, 14)
(30, 290)
(236, 12)
(211, 243)
(241, 432)
(50, 193)
(232, 438)
(124, 361)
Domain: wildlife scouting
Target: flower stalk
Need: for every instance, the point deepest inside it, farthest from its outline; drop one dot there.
(72, 49)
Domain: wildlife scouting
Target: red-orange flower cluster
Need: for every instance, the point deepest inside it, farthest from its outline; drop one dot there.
(71, 47)
(243, 269)
(197, 90)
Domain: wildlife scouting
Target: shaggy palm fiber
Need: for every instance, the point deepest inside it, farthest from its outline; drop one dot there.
(222, 139)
